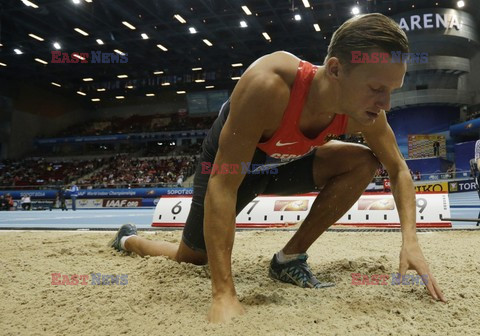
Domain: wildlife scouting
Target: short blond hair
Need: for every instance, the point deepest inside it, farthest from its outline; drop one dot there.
(366, 33)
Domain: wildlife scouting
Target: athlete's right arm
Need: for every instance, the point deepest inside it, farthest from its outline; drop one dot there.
(257, 97)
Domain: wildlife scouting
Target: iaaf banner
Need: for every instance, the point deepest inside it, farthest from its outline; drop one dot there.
(122, 203)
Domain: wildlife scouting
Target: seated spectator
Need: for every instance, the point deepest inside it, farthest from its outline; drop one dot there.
(9, 201)
(451, 171)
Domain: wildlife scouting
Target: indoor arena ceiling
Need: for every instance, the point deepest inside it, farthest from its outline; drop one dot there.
(169, 50)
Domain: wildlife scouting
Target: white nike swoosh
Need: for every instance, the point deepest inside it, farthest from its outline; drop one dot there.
(280, 144)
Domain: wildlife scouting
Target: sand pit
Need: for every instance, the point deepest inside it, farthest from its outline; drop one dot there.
(166, 298)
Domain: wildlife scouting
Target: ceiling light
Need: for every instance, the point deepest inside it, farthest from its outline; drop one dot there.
(243, 24)
(18, 51)
(297, 17)
(129, 25)
(196, 69)
(129, 86)
(100, 90)
(236, 65)
(99, 41)
(306, 3)
(181, 92)
(78, 56)
(235, 78)
(56, 84)
(76, 2)
(355, 10)
(179, 18)
(95, 99)
(88, 0)
(81, 93)
(316, 27)
(36, 37)
(192, 30)
(88, 79)
(209, 87)
(266, 36)
(158, 72)
(29, 4)
(145, 36)
(199, 80)
(166, 84)
(78, 30)
(57, 45)
(207, 42)
(40, 61)
(246, 10)
(122, 76)
(119, 52)
(2, 64)
(120, 97)
(150, 94)
(162, 47)
(460, 4)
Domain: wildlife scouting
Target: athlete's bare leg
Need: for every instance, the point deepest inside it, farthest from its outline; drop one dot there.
(178, 252)
(344, 170)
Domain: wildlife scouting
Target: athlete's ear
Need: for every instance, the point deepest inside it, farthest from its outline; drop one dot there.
(333, 68)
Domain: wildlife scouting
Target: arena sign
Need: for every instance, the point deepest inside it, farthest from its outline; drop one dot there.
(431, 20)
(437, 25)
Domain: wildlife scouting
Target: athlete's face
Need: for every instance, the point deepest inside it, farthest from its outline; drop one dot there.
(365, 90)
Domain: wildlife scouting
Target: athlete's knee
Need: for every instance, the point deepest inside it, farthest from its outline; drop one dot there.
(198, 260)
(191, 256)
(367, 161)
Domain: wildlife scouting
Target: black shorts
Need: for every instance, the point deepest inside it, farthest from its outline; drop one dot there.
(293, 178)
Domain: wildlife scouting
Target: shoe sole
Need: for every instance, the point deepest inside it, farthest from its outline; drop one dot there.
(111, 243)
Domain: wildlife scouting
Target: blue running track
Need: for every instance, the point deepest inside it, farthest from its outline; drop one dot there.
(463, 205)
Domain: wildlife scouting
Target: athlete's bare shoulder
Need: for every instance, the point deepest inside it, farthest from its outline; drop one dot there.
(263, 92)
(279, 63)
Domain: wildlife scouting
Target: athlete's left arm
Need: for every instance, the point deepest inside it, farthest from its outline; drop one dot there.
(382, 142)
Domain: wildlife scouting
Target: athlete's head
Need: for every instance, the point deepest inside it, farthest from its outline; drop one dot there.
(366, 33)
(365, 81)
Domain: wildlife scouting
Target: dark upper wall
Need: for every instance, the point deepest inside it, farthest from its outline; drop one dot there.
(35, 111)
(163, 104)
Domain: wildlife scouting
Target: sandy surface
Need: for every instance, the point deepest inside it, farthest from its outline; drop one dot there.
(166, 298)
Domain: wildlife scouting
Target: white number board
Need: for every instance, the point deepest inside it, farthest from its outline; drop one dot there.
(378, 209)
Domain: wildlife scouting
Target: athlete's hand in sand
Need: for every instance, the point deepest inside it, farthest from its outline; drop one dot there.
(411, 258)
(223, 309)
